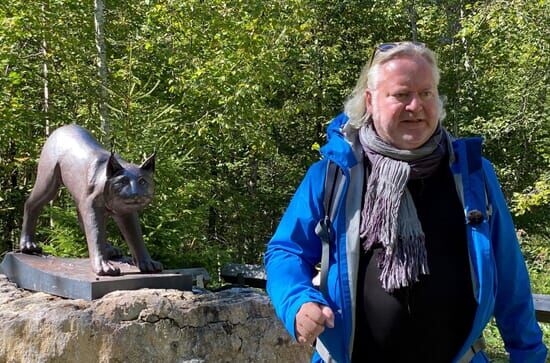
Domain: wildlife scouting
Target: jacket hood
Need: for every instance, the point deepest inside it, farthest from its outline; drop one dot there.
(340, 143)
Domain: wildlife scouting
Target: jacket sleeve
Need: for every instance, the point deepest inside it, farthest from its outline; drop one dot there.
(514, 309)
(295, 249)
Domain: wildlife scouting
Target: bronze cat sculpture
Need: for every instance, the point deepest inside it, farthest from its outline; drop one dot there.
(101, 184)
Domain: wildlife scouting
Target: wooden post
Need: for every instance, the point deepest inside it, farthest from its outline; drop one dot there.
(542, 307)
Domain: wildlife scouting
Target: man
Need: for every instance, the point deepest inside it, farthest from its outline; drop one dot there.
(423, 251)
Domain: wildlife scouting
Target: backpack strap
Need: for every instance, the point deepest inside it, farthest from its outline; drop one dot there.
(478, 346)
(479, 205)
(324, 227)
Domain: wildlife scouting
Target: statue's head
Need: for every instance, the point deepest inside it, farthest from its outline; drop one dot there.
(128, 187)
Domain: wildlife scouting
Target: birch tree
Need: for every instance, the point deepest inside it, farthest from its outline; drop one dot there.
(99, 20)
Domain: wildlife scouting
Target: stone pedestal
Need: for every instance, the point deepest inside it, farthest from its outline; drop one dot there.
(73, 277)
(143, 326)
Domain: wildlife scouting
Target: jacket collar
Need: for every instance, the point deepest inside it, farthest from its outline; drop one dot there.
(342, 146)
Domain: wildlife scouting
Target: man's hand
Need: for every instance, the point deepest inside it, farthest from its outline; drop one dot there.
(311, 320)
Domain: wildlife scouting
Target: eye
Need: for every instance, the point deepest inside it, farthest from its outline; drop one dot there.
(142, 181)
(426, 94)
(401, 95)
(122, 181)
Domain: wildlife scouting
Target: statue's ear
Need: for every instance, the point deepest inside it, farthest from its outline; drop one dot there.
(113, 166)
(149, 164)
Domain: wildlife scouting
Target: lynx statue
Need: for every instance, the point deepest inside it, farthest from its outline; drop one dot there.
(101, 184)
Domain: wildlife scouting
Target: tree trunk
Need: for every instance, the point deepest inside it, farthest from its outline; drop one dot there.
(99, 20)
(46, 100)
(412, 17)
(454, 15)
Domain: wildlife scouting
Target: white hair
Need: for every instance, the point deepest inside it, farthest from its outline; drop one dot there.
(355, 106)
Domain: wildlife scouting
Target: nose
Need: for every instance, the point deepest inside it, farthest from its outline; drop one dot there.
(134, 190)
(415, 103)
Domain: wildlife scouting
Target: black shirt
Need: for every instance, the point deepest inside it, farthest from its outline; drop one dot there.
(430, 320)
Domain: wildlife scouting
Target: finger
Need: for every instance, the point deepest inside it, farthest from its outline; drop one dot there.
(329, 316)
(303, 337)
(322, 315)
(311, 332)
(310, 322)
(315, 314)
(310, 338)
(308, 327)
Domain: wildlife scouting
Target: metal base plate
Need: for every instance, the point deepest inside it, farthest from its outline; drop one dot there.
(73, 277)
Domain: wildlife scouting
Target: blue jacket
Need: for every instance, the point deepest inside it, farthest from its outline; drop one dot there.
(499, 276)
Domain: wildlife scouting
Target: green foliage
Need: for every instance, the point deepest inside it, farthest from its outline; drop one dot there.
(495, 346)
(235, 95)
(507, 81)
(63, 238)
(536, 196)
(537, 254)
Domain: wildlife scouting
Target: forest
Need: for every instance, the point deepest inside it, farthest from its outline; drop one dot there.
(234, 97)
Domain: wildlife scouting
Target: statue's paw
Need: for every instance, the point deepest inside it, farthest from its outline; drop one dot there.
(30, 247)
(149, 266)
(113, 252)
(105, 268)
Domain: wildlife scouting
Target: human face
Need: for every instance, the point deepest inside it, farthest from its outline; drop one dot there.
(404, 104)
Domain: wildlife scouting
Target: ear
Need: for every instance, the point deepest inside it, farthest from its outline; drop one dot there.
(368, 100)
(149, 164)
(113, 166)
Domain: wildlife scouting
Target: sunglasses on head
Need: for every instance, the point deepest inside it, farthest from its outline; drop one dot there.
(384, 47)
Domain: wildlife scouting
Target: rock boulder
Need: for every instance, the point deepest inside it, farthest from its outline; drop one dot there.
(145, 325)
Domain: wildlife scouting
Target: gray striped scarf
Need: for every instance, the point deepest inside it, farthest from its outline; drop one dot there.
(389, 215)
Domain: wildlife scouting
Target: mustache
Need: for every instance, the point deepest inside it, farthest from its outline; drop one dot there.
(412, 117)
